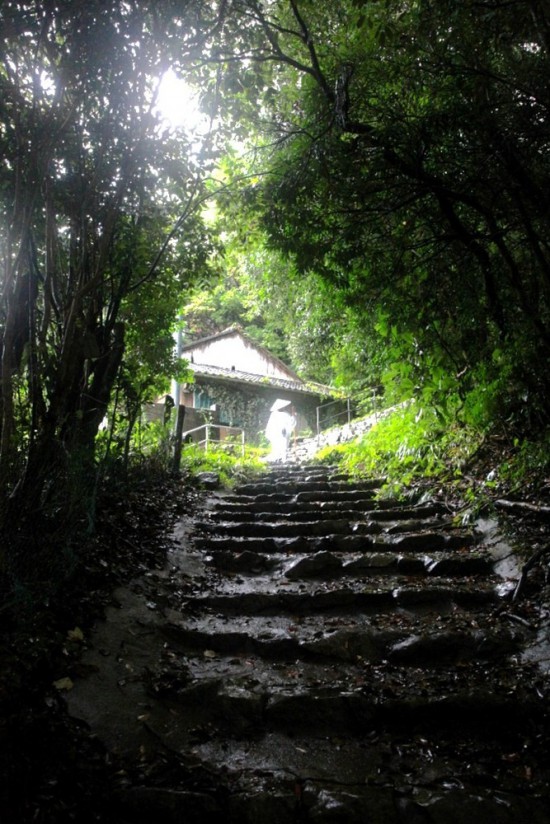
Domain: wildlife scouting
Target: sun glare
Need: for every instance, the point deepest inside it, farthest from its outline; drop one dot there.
(178, 106)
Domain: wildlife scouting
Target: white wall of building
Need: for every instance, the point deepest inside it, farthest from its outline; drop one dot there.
(235, 352)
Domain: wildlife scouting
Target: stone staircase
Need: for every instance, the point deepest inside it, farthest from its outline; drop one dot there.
(327, 657)
(348, 659)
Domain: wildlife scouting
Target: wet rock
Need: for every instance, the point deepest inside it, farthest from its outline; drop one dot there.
(350, 644)
(408, 565)
(417, 542)
(423, 595)
(456, 807)
(269, 806)
(444, 647)
(208, 480)
(297, 544)
(404, 513)
(467, 711)
(409, 526)
(352, 543)
(472, 565)
(317, 565)
(239, 709)
(354, 495)
(169, 806)
(324, 711)
(373, 562)
(345, 807)
(458, 540)
(242, 561)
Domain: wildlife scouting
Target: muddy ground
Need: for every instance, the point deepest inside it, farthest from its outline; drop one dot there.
(56, 770)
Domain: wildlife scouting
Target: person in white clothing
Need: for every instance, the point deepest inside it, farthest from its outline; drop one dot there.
(280, 426)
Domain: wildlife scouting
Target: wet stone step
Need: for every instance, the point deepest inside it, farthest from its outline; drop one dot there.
(221, 508)
(260, 699)
(395, 513)
(295, 486)
(358, 713)
(346, 782)
(200, 673)
(266, 596)
(272, 638)
(289, 545)
(347, 495)
(279, 476)
(294, 514)
(296, 511)
(299, 599)
(276, 528)
(308, 512)
(323, 563)
(335, 614)
(421, 542)
(288, 487)
(289, 526)
(274, 801)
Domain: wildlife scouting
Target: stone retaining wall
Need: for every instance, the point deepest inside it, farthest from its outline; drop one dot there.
(305, 449)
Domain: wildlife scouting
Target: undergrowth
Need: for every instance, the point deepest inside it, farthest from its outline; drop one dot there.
(412, 442)
(415, 443)
(226, 461)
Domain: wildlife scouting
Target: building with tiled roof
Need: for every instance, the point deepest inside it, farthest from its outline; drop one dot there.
(236, 382)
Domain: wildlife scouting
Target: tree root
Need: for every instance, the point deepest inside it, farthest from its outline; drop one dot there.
(528, 565)
(539, 511)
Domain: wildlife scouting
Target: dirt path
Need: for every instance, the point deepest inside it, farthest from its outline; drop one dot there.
(309, 654)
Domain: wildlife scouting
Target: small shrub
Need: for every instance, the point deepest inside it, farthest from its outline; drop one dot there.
(411, 443)
(226, 460)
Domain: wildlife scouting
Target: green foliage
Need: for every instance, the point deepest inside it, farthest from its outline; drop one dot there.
(408, 444)
(527, 466)
(420, 202)
(225, 460)
(508, 392)
(99, 231)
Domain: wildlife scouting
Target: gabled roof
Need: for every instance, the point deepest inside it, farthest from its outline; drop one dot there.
(293, 383)
(232, 331)
(201, 370)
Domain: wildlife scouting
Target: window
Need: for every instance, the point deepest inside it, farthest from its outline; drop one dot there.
(202, 400)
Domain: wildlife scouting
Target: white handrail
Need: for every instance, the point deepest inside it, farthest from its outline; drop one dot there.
(208, 439)
(336, 416)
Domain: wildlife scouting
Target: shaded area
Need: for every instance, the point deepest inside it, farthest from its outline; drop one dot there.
(234, 691)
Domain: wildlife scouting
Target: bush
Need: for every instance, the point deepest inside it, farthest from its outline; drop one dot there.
(225, 459)
(412, 442)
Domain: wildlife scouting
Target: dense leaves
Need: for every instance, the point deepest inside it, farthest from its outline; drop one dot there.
(99, 235)
(383, 207)
(406, 162)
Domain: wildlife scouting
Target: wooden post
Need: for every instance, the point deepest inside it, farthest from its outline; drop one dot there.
(177, 438)
(318, 410)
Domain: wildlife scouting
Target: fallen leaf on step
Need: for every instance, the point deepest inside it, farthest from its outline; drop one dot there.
(63, 684)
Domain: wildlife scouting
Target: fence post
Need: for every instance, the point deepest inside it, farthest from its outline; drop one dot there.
(207, 428)
(176, 461)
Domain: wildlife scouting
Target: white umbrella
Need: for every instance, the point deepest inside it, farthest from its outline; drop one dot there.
(279, 404)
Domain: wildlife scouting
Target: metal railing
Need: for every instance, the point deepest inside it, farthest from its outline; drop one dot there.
(343, 415)
(208, 439)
